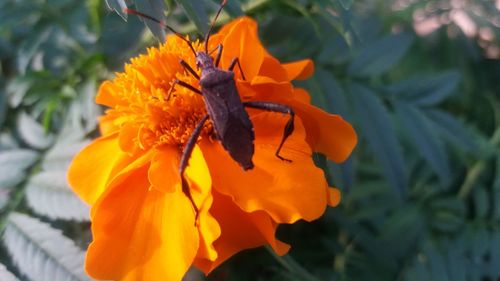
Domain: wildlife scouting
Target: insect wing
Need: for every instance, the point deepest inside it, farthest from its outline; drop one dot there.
(231, 121)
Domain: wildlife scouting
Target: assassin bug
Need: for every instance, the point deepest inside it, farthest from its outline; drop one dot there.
(225, 109)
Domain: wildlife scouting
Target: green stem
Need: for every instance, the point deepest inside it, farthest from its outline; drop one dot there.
(292, 266)
(478, 168)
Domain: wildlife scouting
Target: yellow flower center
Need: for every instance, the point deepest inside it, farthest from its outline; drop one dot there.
(143, 112)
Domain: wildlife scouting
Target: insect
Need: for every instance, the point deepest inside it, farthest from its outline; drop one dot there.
(225, 109)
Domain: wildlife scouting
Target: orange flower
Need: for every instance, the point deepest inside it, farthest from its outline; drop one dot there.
(142, 223)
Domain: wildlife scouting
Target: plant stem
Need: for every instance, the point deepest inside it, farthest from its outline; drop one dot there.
(478, 168)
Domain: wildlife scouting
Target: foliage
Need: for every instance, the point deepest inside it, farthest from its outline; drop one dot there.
(421, 194)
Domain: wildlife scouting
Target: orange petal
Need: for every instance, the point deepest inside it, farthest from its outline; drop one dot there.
(242, 42)
(334, 196)
(107, 124)
(286, 191)
(267, 89)
(299, 70)
(327, 133)
(127, 137)
(200, 184)
(108, 94)
(95, 165)
(301, 95)
(141, 233)
(240, 231)
(272, 68)
(163, 173)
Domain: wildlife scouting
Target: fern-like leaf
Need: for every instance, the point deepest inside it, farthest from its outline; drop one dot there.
(41, 252)
(48, 194)
(6, 275)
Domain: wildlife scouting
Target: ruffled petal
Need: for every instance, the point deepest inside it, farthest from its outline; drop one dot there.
(300, 70)
(240, 231)
(328, 134)
(286, 191)
(141, 233)
(95, 165)
(200, 183)
(163, 173)
(108, 95)
(242, 42)
(334, 197)
(272, 68)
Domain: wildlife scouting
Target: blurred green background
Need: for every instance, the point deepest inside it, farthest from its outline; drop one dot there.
(419, 80)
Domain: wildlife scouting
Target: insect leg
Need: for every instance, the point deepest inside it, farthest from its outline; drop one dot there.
(186, 154)
(276, 107)
(219, 54)
(189, 68)
(183, 84)
(235, 62)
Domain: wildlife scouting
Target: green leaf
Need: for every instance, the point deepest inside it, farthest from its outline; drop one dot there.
(14, 163)
(155, 9)
(403, 229)
(17, 89)
(29, 47)
(41, 252)
(20, 158)
(447, 214)
(233, 8)
(376, 126)
(195, 11)
(378, 57)
(452, 129)
(424, 139)
(3, 107)
(32, 132)
(437, 265)
(6, 275)
(426, 90)
(118, 6)
(481, 199)
(49, 194)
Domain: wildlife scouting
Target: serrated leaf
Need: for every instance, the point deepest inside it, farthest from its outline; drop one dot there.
(61, 154)
(195, 11)
(3, 107)
(426, 90)
(28, 48)
(402, 229)
(6, 275)
(32, 132)
(20, 158)
(155, 9)
(452, 129)
(11, 177)
(437, 265)
(49, 194)
(14, 163)
(233, 8)
(118, 6)
(424, 139)
(378, 57)
(17, 89)
(376, 127)
(481, 199)
(41, 252)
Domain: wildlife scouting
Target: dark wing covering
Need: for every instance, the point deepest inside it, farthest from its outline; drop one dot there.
(231, 121)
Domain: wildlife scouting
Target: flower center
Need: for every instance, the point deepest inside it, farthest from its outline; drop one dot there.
(142, 112)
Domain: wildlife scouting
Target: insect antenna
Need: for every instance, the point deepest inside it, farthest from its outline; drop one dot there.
(207, 37)
(162, 24)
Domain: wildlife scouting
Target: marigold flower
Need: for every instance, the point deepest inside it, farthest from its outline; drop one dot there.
(142, 223)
